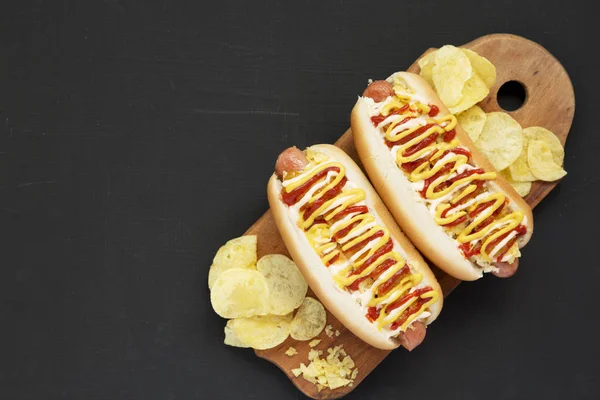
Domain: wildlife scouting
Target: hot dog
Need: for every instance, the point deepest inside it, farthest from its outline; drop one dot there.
(447, 198)
(350, 250)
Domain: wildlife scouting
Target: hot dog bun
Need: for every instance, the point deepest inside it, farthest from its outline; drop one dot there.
(404, 203)
(340, 302)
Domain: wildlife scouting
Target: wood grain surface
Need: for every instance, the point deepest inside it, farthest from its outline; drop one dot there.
(550, 102)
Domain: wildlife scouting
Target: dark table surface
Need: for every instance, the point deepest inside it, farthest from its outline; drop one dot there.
(136, 137)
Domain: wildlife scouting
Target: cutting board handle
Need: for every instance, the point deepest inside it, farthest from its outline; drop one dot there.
(549, 94)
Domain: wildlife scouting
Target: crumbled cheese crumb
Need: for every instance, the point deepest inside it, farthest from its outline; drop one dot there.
(337, 333)
(336, 370)
(291, 352)
(315, 342)
(329, 331)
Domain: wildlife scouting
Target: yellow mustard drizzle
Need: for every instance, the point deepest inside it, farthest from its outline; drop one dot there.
(321, 238)
(421, 173)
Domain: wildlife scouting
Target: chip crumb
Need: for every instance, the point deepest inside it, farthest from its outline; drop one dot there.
(336, 370)
(314, 354)
(291, 352)
(337, 333)
(315, 342)
(329, 331)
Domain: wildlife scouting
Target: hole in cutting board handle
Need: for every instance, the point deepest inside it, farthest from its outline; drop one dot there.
(511, 96)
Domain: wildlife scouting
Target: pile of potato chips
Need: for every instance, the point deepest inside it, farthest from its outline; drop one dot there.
(521, 155)
(259, 297)
(462, 78)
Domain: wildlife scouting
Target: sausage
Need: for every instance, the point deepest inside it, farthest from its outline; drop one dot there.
(413, 336)
(506, 270)
(379, 90)
(291, 159)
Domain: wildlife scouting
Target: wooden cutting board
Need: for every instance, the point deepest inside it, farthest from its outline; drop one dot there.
(550, 102)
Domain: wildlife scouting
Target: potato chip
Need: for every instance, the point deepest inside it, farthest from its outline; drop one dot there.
(451, 71)
(541, 162)
(426, 64)
(501, 140)
(287, 286)
(263, 331)
(231, 338)
(519, 169)
(240, 292)
(427, 73)
(522, 188)
(543, 134)
(309, 321)
(236, 253)
(472, 121)
(482, 66)
(473, 92)
(428, 58)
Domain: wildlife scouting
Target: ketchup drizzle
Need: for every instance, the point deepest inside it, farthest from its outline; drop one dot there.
(295, 195)
(331, 193)
(373, 275)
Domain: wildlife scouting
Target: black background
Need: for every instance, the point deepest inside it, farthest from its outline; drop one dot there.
(136, 137)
